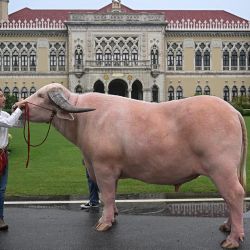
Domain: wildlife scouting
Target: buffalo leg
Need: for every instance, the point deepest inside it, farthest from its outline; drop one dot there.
(233, 194)
(107, 189)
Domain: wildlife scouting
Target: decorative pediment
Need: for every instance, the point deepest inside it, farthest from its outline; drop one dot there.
(116, 5)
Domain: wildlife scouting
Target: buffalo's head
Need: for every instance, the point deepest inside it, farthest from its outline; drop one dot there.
(53, 98)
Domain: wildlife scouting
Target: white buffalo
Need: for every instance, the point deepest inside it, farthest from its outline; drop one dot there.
(162, 143)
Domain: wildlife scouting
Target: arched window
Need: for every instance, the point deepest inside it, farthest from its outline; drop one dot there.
(78, 57)
(108, 57)
(170, 60)
(155, 93)
(78, 89)
(125, 57)
(6, 61)
(206, 60)
(198, 60)
(234, 93)
(154, 57)
(53, 60)
(15, 61)
(226, 93)
(24, 61)
(171, 93)
(15, 92)
(198, 90)
(32, 90)
(24, 92)
(61, 61)
(225, 60)
(134, 56)
(179, 93)
(243, 91)
(32, 61)
(117, 57)
(178, 60)
(242, 60)
(6, 91)
(234, 60)
(207, 90)
(99, 57)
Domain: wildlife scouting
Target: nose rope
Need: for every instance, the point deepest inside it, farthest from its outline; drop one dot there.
(27, 120)
(40, 106)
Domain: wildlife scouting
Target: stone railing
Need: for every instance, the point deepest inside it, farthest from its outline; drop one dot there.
(208, 25)
(37, 24)
(42, 24)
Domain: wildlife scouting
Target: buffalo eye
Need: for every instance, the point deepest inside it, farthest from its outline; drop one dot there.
(40, 95)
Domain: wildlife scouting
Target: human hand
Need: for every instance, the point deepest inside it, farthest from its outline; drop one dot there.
(20, 104)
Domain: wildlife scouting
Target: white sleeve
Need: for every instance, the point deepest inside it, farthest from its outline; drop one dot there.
(11, 120)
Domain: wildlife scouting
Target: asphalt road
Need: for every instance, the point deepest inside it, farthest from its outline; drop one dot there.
(69, 228)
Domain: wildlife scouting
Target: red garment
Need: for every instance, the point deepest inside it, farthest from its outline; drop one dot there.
(3, 160)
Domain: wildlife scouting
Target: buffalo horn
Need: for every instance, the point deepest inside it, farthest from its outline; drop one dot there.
(58, 98)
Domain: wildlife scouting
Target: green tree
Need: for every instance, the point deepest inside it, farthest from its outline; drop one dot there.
(10, 100)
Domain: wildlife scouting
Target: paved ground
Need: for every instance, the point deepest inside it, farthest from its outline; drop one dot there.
(66, 227)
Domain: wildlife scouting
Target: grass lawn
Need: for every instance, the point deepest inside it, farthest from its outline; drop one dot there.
(55, 169)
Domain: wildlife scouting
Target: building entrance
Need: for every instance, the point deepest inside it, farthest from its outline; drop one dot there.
(118, 87)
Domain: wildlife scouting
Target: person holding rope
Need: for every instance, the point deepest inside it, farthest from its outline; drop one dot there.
(6, 121)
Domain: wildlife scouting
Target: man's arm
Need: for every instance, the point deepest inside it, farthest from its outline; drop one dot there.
(11, 120)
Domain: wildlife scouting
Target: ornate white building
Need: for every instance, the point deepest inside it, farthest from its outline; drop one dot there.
(154, 55)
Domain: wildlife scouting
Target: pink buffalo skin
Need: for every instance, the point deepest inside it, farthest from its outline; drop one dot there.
(162, 143)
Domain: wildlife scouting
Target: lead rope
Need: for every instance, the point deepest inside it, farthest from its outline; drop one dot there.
(27, 140)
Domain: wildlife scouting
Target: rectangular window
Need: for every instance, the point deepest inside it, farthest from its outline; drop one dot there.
(32, 62)
(171, 62)
(248, 61)
(125, 58)
(178, 62)
(61, 63)
(53, 63)
(24, 63)
(234, 62)
(6, 63)
(198, 62)
(226, 62)
(117, 59)
(207, 62)
(134, 58)
(242, 62)
(108, 59)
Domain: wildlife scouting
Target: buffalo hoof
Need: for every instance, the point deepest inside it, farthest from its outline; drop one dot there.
(229, 244)
(102, 227)
(225, 228)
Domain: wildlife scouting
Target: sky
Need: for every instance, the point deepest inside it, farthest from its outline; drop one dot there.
(238, 7)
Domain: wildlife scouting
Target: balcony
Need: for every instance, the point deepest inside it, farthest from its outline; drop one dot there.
(24, 68)
(79, 70)
(15, 68)
(32, 68)
(118, 64)
(155, 70)
(6, 68)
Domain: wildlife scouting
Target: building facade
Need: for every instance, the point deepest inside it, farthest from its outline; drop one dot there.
(151, 55)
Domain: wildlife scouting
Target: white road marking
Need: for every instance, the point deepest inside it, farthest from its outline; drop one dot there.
(118, 201)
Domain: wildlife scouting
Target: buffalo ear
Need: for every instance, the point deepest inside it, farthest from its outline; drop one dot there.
(64, 115)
